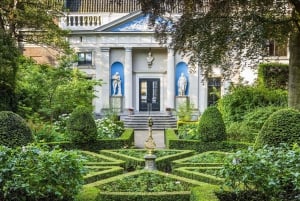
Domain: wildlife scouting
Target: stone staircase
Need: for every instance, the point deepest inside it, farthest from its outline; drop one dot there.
(139, 121)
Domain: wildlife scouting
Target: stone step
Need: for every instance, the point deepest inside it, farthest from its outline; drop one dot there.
(140, 121)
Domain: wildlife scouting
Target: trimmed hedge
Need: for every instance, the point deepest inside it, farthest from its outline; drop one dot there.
(157, 196)
(13, 130)
(136, 196)
(125, 140)
(204, 192)
(163, 163)
(273, 75)
(172, 142)
(100, 160)
(101, 173)
(188, 172)
(211, 126)
(191, 161)
(282, 126)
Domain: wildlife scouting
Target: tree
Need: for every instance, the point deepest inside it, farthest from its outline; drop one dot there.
(29, 21)
(34, 22)
(8, 70)
(51, 92)
(215, 31)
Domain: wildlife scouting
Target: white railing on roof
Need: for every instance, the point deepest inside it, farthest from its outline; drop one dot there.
(81, 20)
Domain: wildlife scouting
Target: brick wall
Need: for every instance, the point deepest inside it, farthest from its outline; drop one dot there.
(42, 55)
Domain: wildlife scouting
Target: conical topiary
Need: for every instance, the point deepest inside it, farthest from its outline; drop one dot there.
(211, 126)
(81, 126)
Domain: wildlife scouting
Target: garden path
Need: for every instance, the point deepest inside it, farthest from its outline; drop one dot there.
(140, 137)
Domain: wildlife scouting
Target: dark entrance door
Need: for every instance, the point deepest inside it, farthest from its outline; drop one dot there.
(149, 95)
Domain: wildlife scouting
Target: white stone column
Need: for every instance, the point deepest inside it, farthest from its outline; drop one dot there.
(97, 100)
(105, 76)
(128, 77)
(171, 79)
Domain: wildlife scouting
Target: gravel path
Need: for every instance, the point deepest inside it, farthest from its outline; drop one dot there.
(140, 137)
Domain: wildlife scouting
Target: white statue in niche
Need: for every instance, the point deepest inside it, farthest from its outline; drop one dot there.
(182, 83)
(116, 84)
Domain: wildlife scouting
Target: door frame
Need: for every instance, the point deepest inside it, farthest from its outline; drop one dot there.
(148, 76)
(145, 106)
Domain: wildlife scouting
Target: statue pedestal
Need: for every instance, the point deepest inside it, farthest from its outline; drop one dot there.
(150, 162)
(116, 103)
(180, 100)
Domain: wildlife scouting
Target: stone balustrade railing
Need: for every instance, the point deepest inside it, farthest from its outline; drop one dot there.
(80, 20)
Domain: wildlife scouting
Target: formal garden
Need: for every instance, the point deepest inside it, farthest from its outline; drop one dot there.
(53, 148)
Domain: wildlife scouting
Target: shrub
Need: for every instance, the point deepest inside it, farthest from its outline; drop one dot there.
(185, 110)
(281, 127)
(48, 133)
(243, 99)
(108, 129)
(211, 126)
(272, 171)
(273, 75)
(31, 173)
(14, 130)
(241, 132)
(256, 118)
(188, 130)
(81, 126)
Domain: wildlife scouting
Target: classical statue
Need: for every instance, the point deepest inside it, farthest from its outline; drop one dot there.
(116, 84)
(182, 83)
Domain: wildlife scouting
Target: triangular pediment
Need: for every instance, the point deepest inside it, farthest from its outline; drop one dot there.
(133, 22)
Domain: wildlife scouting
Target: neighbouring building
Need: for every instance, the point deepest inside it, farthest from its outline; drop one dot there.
(114, 43)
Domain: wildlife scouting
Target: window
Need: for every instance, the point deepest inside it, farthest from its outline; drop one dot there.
(275, 49)
(84, 58)
(213, 90)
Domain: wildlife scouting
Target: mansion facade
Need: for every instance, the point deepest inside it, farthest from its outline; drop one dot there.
(114, 43)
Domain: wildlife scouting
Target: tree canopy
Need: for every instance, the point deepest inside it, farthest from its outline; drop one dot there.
(229, 32)
(34, 21)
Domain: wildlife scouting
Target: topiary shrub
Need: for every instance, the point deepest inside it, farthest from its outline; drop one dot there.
(81, 126)
(281, 127)
(13, 130)
(211, 126)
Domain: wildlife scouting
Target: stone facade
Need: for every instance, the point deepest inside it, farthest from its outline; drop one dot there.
(111, 38)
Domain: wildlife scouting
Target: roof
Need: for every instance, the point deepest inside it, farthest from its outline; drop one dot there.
(94, 6)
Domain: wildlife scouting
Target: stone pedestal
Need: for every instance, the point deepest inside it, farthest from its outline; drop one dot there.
(150, 162)
(116, 103)
(180, 100)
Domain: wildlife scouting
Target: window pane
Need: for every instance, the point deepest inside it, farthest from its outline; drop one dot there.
(88, 57)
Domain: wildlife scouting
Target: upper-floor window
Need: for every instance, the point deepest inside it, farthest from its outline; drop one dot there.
(213, 90)
(84, 58)
(276, 49)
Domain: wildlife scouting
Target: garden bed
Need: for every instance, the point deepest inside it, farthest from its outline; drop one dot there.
(96, 173)
(100, 159)
(205, 174)
(173, 142)
(205, 159)
(145, 185)
(134, 158)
